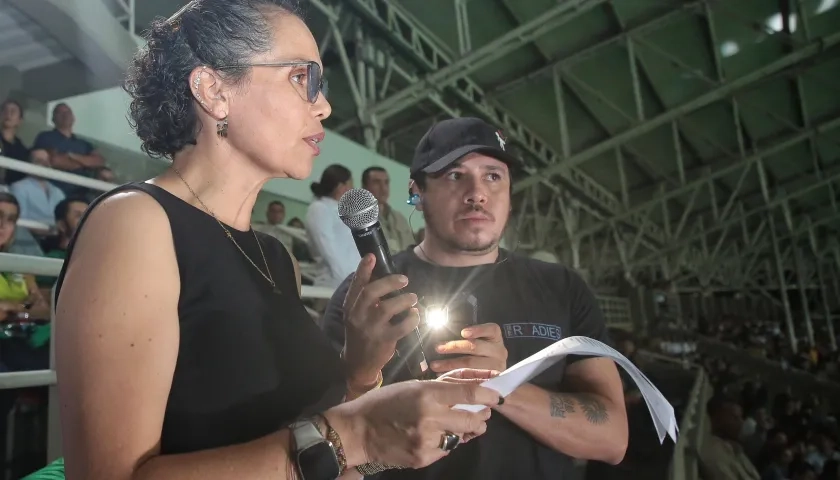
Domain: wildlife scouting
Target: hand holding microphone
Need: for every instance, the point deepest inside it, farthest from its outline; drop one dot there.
(379, 317)
(370, 336)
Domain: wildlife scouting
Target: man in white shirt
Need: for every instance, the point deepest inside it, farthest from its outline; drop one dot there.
(330, 241)
(394, 224)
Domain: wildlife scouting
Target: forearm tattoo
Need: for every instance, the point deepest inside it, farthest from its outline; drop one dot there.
(561, 405)
(594, 410)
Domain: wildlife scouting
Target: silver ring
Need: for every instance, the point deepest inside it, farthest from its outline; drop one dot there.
(448, 441)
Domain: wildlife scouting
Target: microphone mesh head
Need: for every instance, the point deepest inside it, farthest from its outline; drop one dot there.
(358, 209)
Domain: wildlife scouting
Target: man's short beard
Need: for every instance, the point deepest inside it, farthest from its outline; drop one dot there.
(454, 245)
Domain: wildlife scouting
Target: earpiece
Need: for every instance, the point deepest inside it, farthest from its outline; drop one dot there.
(414, 198)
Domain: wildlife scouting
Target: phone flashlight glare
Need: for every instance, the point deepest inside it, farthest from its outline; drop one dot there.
(437, 316)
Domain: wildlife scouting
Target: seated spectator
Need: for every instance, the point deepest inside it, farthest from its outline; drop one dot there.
(754, 434)
(68, 152)
(104, 174)
(823, 452)
(38, 197)
(274, 215)
(394, 224)
(802, 471)
(330, 241)
(21, 303)
(780, 459)
(722, 457)
(24, 322)
(68, 213)
(299, 248)
(11, 115)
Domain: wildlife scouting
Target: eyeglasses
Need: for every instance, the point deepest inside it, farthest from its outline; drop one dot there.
(314, 79)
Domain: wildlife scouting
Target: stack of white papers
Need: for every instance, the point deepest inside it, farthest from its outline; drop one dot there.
(660, 409)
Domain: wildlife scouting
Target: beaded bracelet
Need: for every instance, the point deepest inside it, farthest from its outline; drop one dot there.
(373, 468)
(338, 447)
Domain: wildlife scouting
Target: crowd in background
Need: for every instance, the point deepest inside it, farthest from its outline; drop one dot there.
(769, 339)
(768, 433)
(763, 430)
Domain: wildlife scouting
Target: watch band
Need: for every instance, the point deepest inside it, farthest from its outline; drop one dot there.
(305, 433)
(315, 456)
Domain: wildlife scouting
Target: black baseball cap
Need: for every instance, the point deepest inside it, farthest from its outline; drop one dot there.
(452, 139)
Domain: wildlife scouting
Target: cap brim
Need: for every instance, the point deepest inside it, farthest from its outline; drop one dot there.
(455, 155)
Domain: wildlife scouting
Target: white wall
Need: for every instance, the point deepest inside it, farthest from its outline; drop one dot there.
(102, 117)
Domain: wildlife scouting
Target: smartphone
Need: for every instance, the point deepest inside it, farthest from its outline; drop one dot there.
(443, 322)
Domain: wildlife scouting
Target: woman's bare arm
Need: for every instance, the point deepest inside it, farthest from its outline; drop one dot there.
(117, 344)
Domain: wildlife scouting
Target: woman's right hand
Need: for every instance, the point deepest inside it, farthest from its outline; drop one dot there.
(370, 337)
(402, 424)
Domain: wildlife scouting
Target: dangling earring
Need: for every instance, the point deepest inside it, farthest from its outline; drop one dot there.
(222, 128)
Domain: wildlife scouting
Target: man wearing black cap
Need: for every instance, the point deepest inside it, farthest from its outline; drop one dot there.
(501, 308)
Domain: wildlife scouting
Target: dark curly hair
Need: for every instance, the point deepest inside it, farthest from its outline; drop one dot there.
(205, 32)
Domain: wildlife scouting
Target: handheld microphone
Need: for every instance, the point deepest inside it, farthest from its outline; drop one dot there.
(359, 210)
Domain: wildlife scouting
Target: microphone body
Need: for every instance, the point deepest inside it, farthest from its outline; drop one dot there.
(359, 210)
(372, 240)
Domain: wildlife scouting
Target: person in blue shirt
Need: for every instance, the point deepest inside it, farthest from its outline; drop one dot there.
(68, 152)
(38, 197)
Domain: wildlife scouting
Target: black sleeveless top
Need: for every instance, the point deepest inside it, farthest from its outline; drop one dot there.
(250, 360)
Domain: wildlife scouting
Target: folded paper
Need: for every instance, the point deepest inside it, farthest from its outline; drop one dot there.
(660, 409)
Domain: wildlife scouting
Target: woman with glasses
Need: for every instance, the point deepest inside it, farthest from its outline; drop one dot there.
(183, 348)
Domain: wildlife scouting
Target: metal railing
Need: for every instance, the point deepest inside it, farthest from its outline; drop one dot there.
(685, 463)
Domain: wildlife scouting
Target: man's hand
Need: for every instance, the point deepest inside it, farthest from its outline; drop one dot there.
(370, 337)
(482, 347)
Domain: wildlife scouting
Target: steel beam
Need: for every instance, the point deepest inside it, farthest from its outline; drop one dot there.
(743, 164)
(780, 276)
(723, 91)
(88, 30)
(822, 282)
(560, 14)
(687, 241)
(588, 52)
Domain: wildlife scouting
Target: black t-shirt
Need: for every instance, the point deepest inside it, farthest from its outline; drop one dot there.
(536, 304)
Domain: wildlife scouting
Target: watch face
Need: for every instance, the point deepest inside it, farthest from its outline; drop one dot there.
(318, 462)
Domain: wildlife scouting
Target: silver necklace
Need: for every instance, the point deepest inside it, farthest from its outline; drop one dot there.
(267, 273)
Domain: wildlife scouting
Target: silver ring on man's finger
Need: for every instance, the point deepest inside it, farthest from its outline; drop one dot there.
(448, 441)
